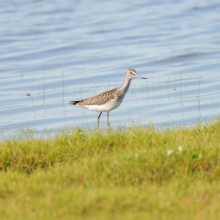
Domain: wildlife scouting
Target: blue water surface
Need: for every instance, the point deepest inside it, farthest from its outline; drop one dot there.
(52, 52)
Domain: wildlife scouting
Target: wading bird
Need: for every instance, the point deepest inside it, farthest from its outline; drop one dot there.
(108, 100)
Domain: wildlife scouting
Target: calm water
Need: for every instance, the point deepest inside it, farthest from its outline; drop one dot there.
(75, 49)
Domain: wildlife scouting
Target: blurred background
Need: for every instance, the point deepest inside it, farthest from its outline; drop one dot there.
(55, 51)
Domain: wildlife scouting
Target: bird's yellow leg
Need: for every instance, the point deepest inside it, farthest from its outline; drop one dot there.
(98, 121)
(108, 120)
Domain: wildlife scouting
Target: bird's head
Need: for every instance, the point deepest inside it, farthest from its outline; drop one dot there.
(131, 74)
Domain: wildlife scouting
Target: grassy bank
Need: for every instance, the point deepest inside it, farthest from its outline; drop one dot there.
(140, 173)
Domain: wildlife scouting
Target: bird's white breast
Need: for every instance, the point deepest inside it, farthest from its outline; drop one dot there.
(107, 107)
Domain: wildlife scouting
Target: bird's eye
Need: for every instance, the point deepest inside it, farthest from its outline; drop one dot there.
(131, 73)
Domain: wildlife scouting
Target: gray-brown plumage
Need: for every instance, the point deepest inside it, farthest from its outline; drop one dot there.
(108, 100)
(99, 99)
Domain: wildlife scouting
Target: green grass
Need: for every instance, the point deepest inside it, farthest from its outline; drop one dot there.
(139, 173)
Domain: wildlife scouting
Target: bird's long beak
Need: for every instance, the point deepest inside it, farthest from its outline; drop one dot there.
(141, 77)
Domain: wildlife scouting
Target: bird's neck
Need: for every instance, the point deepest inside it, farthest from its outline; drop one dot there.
(125, 85)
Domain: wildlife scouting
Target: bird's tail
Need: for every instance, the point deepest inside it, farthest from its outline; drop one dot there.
(73, 102)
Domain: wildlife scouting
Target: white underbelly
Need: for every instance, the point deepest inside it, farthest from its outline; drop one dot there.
(107, 107)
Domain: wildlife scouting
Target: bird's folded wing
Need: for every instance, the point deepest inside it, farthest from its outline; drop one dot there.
(100, 99)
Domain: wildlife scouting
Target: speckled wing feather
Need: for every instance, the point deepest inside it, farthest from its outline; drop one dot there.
(101, 98)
